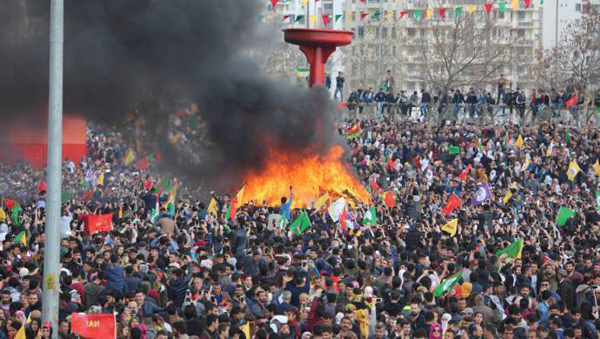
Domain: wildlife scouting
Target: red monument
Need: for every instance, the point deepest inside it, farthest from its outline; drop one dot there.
(317, 45)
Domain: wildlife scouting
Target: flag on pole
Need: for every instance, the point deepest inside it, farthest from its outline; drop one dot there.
(563, 215)
(301, 223)
(598, 200)
(21, 333)
(156, 211)
(550, 149)
(336, 209)
(94, 326)
(343, 219)
(572, 101)
(97, 223)
(482, 194)
(21, 238)
(512, 251)
(463, 175)
(519, 143)
(447, 284)
(16, 214)
(451, 205)
(142, 163)
(234, 203)
(321, 202)
(213, 208)
(370, 217)
(596, 167)
(451, 227)
(2, 214)
(129, 158)
(389, 199)
(42, 186)
(100, 180)
(453, 149)
(507, 196)
(246, 330)
(353, 132)
(567, 137)
(573, 170)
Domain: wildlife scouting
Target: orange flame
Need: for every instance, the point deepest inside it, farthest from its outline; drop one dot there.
(310, 175)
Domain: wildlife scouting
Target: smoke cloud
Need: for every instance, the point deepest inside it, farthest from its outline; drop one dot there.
(149, 56)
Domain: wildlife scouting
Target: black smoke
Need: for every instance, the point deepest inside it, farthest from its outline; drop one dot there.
(148, 56)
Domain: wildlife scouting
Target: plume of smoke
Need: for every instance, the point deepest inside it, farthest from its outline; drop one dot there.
(148, 55)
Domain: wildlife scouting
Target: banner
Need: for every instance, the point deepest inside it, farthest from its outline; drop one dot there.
(93, 326)
(98, 223)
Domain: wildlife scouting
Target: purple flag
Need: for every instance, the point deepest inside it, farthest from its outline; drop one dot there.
(482, 194)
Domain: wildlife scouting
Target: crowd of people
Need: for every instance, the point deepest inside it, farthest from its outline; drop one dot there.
(472, 103)
(193, 272)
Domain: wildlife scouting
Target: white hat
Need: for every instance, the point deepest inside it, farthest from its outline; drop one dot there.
(23, 272)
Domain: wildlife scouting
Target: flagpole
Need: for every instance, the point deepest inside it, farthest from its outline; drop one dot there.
(52, 228)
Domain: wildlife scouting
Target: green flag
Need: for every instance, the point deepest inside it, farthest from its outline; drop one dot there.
(21, 238)
(417, 14)
(513, 250)
(370, 217)
(453, 149)
(301, 223)
(447, 284)
(338, 17)
(299, 17)
(564, 214)
(376, 15)
(458, 11)
(502, 6)
(567, 137)
(65, 196)
(16, 214)
(598, 200)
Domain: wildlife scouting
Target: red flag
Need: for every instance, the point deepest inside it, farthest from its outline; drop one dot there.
(391, 164)
(325, 20)
(441, 12)
(452, 204)
(363, 0)
(148, 183)
(402, 14)
(343, 219)
(374, 186)
(87, 195)
(285, 17)
(488, 7)
(42, 186)
(356, 150)
(572, 101)
(463, 175)
(389, 200)
(96, 223)
(354, 130)
(93, 326)
(273, 4)
(157, 157)
(527, 3)
(9, 203)
(143, 163)
(363, 15)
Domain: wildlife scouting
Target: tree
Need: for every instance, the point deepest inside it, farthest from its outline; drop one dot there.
(460, 50)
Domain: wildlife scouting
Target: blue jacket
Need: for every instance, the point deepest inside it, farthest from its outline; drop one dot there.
(178, 287)
(115, 276)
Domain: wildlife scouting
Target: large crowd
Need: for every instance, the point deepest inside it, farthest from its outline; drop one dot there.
(185, 272)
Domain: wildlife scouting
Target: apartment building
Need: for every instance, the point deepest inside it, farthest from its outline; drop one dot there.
(384, 41)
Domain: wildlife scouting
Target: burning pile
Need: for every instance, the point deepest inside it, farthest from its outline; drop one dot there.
(311, 175)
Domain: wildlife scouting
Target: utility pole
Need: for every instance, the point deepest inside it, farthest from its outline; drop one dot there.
(52, 228)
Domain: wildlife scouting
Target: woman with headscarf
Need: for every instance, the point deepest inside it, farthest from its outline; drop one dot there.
(436, 331)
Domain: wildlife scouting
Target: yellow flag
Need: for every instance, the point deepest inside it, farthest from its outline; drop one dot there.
(550, 148)
(515, 4)
(246, 330)
(312, 18)
(304, 2)
(471, 8)
(100, 181)
(21, 333)
(597, 168)
(573, 170)
(429, 13)
(321, 201)
(451, 227)
(240, 196)
(2, 214)
(519, 142)
(526, 163)
(130, 157)
(213, 207)
(507, 196)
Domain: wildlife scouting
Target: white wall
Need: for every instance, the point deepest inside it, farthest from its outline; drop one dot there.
(566, 10)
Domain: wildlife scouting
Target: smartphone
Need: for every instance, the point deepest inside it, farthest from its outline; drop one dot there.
(213, 299)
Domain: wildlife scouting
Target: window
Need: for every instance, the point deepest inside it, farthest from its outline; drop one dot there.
(384, 33)
(411, 32)
(393, 32)
(521, 16)
(361, 32)
(578, 7)
(353, 16)
(377, 32)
